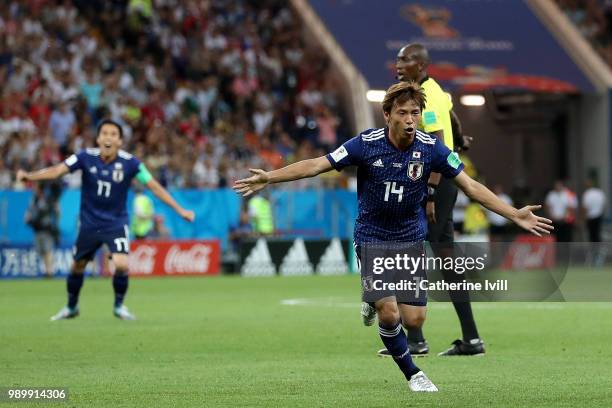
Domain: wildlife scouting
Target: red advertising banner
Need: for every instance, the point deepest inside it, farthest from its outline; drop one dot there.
(530, 252)
(158, 258)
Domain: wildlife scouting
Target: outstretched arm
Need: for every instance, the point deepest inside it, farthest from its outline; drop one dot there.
(48, 173)
(524, 217)
(161, 193)
(295, 171)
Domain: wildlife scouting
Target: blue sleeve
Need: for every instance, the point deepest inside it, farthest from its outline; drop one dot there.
(75, 161)
(349, 154)
(445, 162)
(134, 167)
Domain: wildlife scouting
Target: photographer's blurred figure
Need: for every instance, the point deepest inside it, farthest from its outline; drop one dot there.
(43, 217)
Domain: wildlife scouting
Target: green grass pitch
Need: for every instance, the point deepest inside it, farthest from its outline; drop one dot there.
(230, 341)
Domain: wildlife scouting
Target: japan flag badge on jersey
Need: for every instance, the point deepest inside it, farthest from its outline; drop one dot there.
(415, 170)
(416, 155)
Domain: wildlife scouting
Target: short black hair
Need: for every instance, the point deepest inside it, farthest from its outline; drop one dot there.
(109, 122)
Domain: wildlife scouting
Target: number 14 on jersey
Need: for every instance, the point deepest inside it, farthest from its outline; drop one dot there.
(391, 188)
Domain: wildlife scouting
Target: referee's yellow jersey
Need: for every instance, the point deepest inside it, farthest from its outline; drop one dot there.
(436, 115)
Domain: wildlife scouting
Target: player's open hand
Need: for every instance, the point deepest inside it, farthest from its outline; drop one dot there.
(22, 175)
(187, 215)
(250, 185)
(526, 219)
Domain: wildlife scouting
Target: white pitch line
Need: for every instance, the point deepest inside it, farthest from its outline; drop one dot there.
(342, 303)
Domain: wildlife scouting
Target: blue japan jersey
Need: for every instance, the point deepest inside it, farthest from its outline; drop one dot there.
(392, 184)
(104, 188)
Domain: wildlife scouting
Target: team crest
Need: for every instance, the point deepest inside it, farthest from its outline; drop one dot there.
(118, 172)
(118, 175)
(415, 170)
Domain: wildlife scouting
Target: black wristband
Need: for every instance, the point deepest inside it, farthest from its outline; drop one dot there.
(431, 192)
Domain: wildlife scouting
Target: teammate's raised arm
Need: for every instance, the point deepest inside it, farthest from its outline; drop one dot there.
(295, 171)
(524, 217)
(48, 173)
(163, 194)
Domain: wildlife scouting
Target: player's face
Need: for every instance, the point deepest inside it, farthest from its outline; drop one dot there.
(403, 120)
(109, 140)
(407, 66)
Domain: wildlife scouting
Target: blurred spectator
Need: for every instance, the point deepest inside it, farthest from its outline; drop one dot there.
(593, 207)
(476, 221)
(459, 211)
(499, 225)
(143, 213)
(6, 176)
(239, 232)
(593, 18)
(327, 123)
(260, 214)
(230, 83)
(560, 206)
(160, 231)
(61, 122)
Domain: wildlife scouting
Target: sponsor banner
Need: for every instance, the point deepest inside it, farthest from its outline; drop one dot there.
(22, 261)
(530, 252)
(270, 257)
(146, 258)
(156, 258)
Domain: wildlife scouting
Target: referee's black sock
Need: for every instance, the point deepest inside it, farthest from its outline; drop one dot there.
(466, 318)
(415, 335)
(74, 282)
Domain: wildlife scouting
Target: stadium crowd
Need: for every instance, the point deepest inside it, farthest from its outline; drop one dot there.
(203, 89)
(594, 21)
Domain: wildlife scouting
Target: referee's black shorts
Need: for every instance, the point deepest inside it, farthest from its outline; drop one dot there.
(442, 230)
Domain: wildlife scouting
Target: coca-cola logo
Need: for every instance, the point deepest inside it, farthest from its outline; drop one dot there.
(142, 260)
(193, 260)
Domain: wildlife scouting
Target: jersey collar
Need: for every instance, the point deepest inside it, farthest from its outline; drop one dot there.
(386, 131)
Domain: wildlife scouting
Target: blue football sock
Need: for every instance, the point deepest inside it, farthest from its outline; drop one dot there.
(74, 282)
(120, 284)
(395, 341)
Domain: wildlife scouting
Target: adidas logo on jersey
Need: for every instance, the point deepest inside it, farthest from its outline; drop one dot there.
(378, 163)
(333, 261)
(259, 261)
(296, 262)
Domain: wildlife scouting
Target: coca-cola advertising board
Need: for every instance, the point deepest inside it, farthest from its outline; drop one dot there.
(155, 258)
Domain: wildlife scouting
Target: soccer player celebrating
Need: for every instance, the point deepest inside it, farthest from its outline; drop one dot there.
(437, 119)
(394, 164)
(107, 173)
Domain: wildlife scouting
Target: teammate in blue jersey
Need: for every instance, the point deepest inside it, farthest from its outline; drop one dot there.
(107, 173)
(393, 165)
